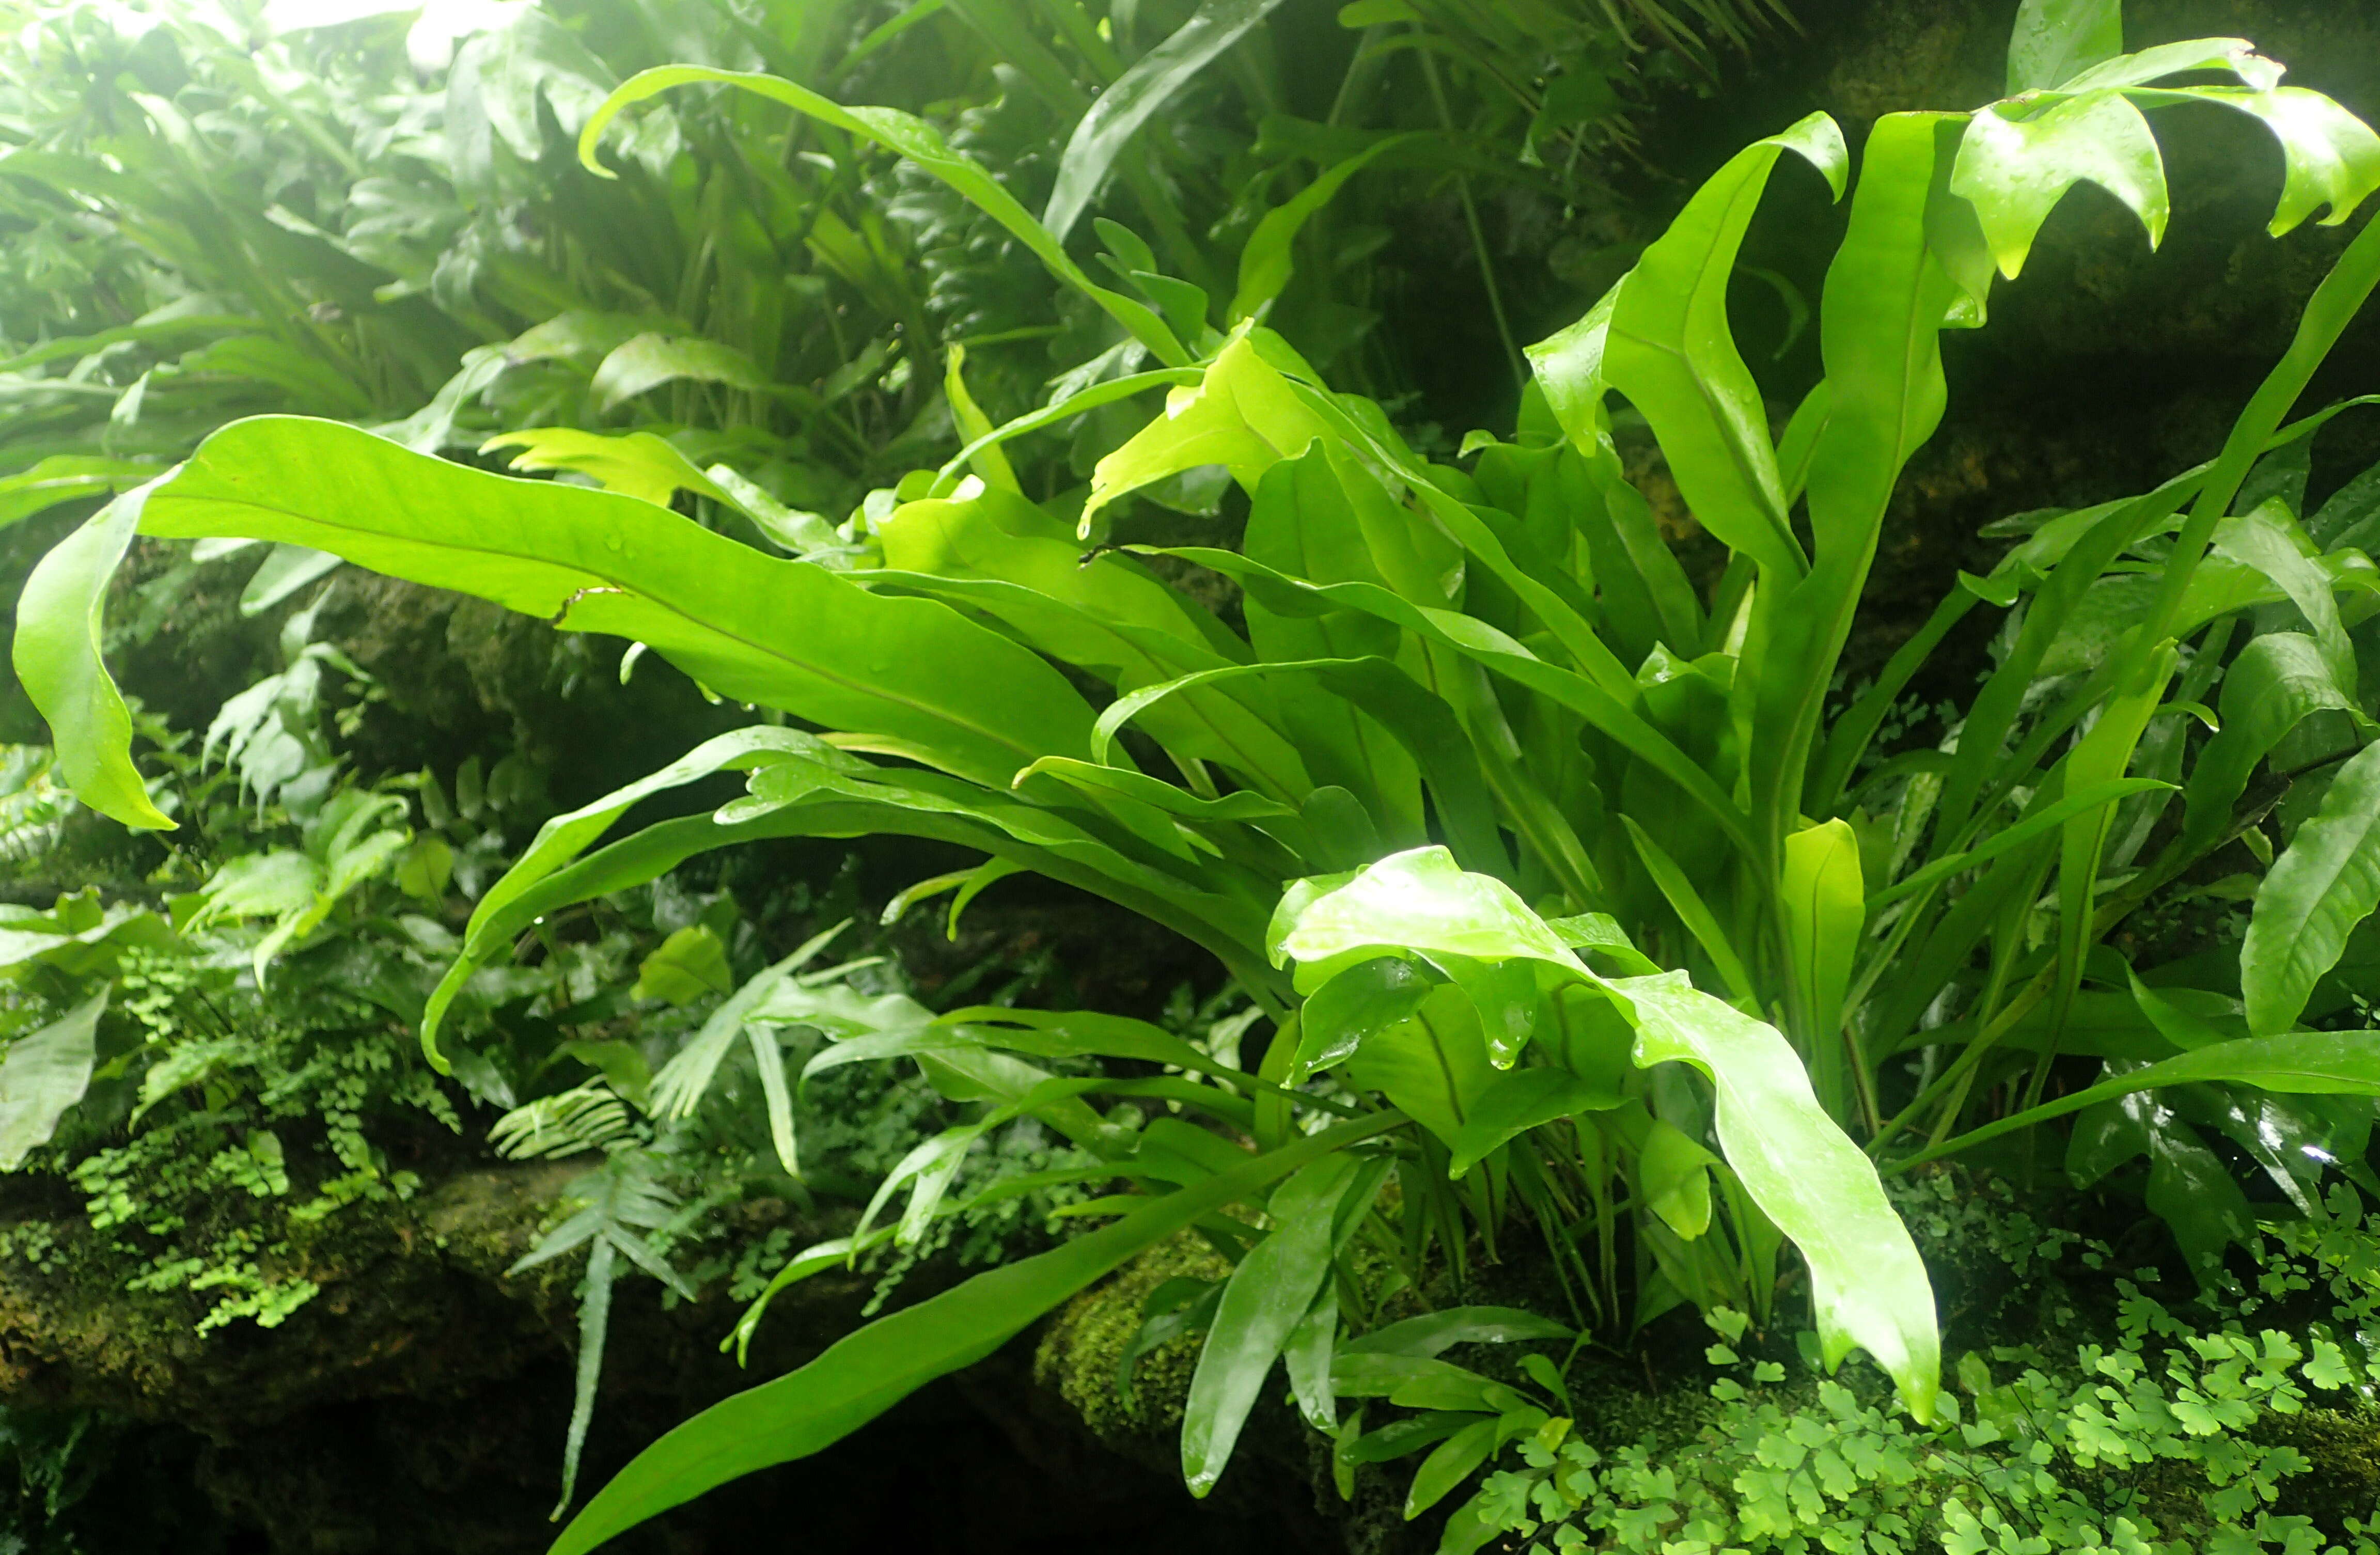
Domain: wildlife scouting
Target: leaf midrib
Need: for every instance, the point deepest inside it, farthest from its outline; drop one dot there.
(607, 579)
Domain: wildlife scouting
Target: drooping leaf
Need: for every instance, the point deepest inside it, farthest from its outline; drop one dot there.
(42, 1075)
(2014, 171)
(2302, 1063)
(57, 655)
(777, 632)
(1868, 1286)
(1353, 1007)
(2234, 56)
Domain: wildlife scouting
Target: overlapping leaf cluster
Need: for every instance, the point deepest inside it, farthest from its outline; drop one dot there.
(1468, 763)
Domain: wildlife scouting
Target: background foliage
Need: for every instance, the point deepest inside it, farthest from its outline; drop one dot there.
(1515, 740)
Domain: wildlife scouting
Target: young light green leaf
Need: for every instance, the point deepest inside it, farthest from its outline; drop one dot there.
(865, 1373)
(2014, 171)
(1568, 366)
(1673, 1172)
(1138, 93)
(2317, 890)
(1824, 913)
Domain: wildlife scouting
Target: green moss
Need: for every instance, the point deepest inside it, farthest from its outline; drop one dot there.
(2342, 1450)
(1078, 1354)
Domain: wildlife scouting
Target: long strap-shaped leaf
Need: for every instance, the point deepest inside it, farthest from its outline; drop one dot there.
(1475, 640)
(1884, 305)
(1139, 93)
(920, 142)
(57, 659)
(1229, 927)
(1669, 350)
(863, 1374)
(785, 634)
(2303, 1063)
(1413, 714)
(2333, 306)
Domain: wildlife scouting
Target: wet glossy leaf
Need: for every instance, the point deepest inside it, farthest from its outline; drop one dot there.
(2015, 171)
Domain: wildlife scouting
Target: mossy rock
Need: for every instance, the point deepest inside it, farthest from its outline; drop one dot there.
(1083, 1346)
